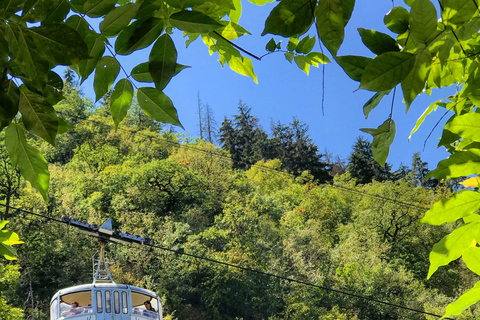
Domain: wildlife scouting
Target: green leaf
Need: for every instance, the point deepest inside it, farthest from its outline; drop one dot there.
(457, 12)
(382, 139)
(330, 24)
(451, 247)
(63, 126)
(289, 56)
(38, 115)
(47, 11)
(121, 100)
(423, 21)
(459, 164)
(305, 45)
(117, 19)
(9, 238)
(354, 66)
(8, 252)
(303, 63)
(378, 42)
(415, 82)
(387, 70)
(471, 257)
(463, 302)
(373, 102)
(271, 45)
(96, 48)
(163, 61)
(420, 120)
(157, 105)
(138, 35)
(290, 18)
(106, 72)
(59, 44)
(32, 165)
(241, 65)
(317, 57)
(141, 72)
(193, 21)
(452, 209)
(10, 98)
(292, 43)
(397, 20)
(466, 126)
(235, 14)
(93, 8)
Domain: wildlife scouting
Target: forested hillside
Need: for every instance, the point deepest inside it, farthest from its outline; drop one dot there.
(350, 227)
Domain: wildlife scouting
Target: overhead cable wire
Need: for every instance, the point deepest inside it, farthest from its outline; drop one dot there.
(268, 274)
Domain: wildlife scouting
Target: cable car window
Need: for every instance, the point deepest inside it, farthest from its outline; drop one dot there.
(108, 306)
(79, 302)
(54, 310)
(139, 305)
(124, 302)
(116, 302)
(99, 302)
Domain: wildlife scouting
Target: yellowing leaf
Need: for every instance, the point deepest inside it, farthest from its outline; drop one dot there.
(471, 182)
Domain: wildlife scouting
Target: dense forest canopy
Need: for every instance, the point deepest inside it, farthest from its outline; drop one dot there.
(429, 46)
(192, 197)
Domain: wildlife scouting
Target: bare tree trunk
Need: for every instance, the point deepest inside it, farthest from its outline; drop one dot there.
(199, 104)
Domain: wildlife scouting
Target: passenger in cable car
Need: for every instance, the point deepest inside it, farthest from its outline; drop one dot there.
(148, 306)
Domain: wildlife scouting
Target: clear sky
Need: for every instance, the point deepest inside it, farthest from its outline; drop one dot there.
(284, 91)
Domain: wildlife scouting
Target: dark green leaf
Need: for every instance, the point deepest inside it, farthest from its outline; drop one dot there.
(8, 8)
(63, 126)
(289, 56)
(33, 166)
(290, 18)
(378, 42)
(193, 21)
(47, 11)
(373, 102)
(59, 44)
(9, 104)
(121, 100)
(149, 8)
(271, 45)
(138, 35)
(459, 164)
(94, 8)
(305, 45)
(397, 20)
(423, 21)
(330, 24)
(96, 48)
(382, 140)
(141, 72)
(106, 72)
(354, 66)
(157, 106)
(163, 61)
(387, 70)
(38, 115)
(117, 19)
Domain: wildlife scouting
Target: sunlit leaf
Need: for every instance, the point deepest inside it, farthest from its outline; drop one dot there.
(33, 166)
(387, 70)
(472, 182)
(463, 302)
(452, 209)
(106, 72)
(459, 164)
(414, 83)
(290, 18)
(157, 105)
(466, 126)
(432, 107)
(138, 35)
(450, 248)
(382, 139)
(456, 12)
(303, 63)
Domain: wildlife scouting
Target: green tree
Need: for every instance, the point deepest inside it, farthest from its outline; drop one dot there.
(362, 166)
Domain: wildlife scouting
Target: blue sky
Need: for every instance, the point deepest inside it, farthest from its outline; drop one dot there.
(284, 91)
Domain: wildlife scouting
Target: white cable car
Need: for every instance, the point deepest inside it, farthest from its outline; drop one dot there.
(104, 299)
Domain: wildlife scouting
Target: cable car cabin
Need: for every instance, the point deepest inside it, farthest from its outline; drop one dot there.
(105, 301)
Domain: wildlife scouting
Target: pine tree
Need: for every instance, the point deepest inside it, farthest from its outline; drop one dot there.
(363, 167)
